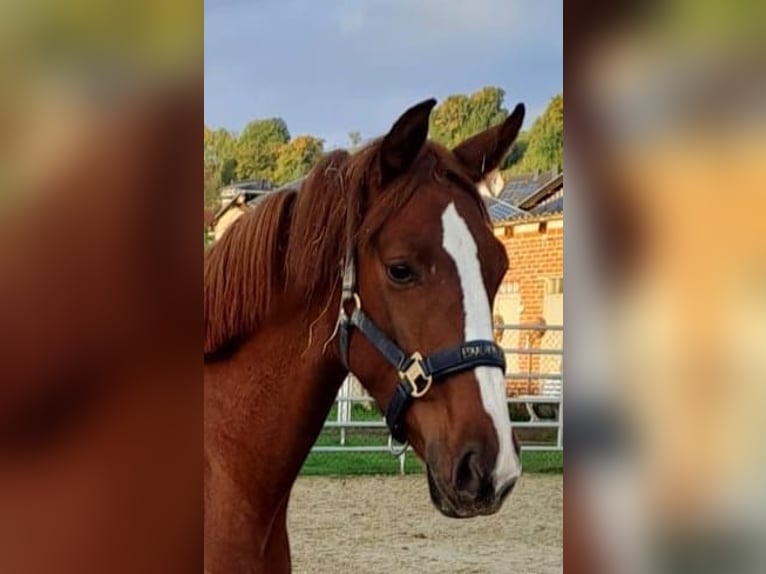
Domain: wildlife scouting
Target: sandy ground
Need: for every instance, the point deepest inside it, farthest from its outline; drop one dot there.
(385, 525)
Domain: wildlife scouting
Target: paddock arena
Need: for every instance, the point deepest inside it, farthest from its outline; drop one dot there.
(386, 524)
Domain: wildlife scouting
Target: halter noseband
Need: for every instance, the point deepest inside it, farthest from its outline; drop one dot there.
(416, 373)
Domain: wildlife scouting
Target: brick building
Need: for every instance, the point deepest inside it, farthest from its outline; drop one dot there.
(527, 215)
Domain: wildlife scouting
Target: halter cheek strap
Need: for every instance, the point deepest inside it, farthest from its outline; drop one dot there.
(416, 373)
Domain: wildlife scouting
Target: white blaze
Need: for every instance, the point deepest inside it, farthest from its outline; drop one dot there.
(460, 245)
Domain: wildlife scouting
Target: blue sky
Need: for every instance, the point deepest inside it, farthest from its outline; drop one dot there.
(328, 67)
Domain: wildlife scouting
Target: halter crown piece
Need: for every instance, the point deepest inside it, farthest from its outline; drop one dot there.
(416, 372)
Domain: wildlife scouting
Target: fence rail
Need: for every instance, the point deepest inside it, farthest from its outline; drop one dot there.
(356, 427)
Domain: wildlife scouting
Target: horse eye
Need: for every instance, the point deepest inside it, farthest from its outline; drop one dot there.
(400, 273)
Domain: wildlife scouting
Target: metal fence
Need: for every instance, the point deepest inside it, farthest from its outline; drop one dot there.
(355, 439)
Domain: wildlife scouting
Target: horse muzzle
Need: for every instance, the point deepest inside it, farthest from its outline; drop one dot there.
(469, 489)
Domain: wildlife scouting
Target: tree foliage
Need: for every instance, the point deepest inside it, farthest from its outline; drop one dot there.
(219, 161)
(459, 117)
(545, 142)
(265, 150)
(258, 148)
(296, 159)
(211, 186)
(518, 149)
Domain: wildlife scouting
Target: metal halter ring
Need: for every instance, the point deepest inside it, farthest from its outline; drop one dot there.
(414, 373)
(397, 451)
(357, 304)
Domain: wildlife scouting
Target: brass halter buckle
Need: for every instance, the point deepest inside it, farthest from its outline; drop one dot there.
(414, 373)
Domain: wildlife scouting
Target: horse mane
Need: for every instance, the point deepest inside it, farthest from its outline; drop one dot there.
(242, 271)
(299, 238)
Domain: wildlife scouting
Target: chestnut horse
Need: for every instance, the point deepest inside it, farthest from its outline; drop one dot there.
(384, 263)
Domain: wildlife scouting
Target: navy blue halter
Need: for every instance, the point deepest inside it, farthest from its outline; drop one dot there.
(416, 373)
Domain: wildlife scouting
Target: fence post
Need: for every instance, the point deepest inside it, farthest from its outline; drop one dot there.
(344, 408)
(560, 438)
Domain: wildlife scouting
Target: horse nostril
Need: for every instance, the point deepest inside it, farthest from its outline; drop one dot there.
(468, 475)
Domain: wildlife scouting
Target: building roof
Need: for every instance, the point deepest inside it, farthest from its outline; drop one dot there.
(517, 190)
(546, 191)
(554, 206)
(253, 185)
(527, 197)
(520, 187)
(241, 193)
(500, 210)
(292, 185)
(522, 197)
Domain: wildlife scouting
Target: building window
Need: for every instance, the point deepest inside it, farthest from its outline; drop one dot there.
(554, 285)
(508, 287)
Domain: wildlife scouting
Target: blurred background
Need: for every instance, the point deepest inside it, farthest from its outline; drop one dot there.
(665, 269)
(100, 203)
(100, 108)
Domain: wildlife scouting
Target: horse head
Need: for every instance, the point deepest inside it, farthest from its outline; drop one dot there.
(425, 268)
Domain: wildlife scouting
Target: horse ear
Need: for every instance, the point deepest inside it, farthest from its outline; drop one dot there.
(483, 152)
(403, 142)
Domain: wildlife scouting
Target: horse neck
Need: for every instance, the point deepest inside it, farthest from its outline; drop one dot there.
(271, 397)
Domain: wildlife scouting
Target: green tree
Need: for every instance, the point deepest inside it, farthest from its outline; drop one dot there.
(211, 187)
(459, 116)
(449, 119)
(219, 162)
(518, 149)
(545, 146)
(296, 158)
(220, 146)
(258, 148)
(485, 110)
